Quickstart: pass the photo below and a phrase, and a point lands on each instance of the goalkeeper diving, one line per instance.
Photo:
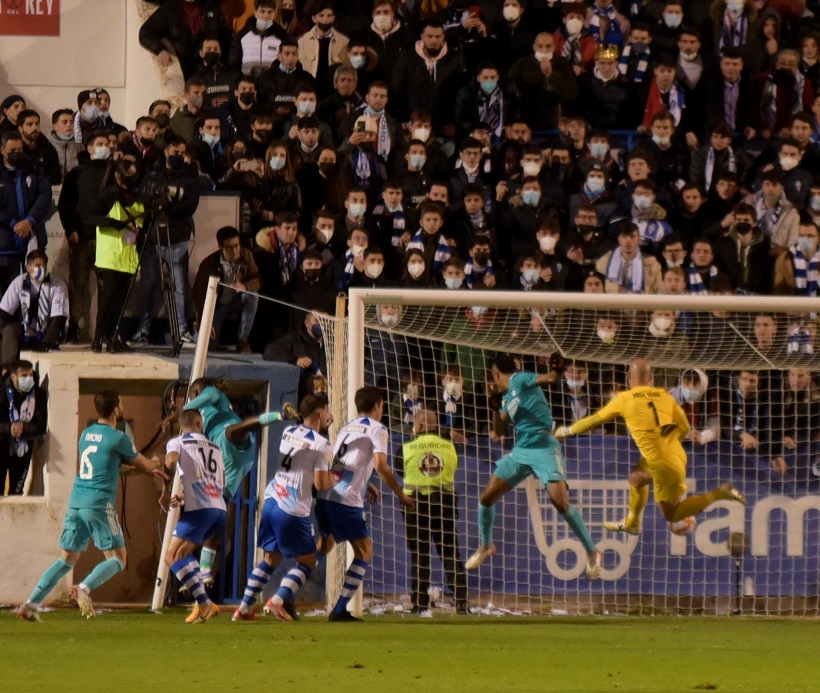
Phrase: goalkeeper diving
(656, 423)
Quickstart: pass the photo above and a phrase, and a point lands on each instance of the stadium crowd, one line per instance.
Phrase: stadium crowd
(648, 146)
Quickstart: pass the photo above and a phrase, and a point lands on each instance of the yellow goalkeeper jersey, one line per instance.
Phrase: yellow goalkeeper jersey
(652, 415)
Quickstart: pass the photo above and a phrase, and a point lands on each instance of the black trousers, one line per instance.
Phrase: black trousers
(110, 299)
(15, 467)
(433, 521)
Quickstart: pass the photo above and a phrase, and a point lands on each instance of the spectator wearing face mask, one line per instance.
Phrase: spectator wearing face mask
(256, 46)
(733, 24)
(219, 78)
(456, 406)
(322, 45)
(667, 32)
(183, 122)
(607, 26)
(347, 268)
(305, 104)
(780, 93)
(24, 420)
(386, 353)
(33, 311)
(62, 139)
(573, 396)
(238, 112)
(310, 289)
(514, 33)
(573, 40)
(700, 405)
(485, 100)
(796, 180)
(277, 86)
(415, 271)
(648, 216)
(141, 145)
(745, 254)
(303, 347)
(410, 397)
(595, 191)
(796, 271)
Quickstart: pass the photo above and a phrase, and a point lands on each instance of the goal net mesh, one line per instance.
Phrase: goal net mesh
(741, 369)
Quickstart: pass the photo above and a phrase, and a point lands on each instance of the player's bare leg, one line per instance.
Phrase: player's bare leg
(494, 491)
(674, 512)
(559, 496)
(639, 480)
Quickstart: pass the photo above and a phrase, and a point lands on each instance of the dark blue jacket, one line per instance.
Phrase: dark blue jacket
(36, 206)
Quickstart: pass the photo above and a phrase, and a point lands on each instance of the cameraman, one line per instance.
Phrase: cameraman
(118, 215)
(172, 193)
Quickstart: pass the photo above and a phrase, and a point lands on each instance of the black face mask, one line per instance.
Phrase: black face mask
(176, 161)
(328, 167)
(145, 142)
(247, 98)
(743, 228)
(287, 15)
(264, 135)
(586, 229)
(211, 58)
(16, 159)
(313, 275)
(324, 27)
(163, 120)
(481, 259)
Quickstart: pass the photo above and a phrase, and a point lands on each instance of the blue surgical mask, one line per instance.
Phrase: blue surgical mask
(417, 160)
(598, 149)
(277, 163)
(595, 185)
(806, 245)
(690, 396)
(530, 276)
(814, 203)
(488, 85)
(25, 383)
(531, 197)
(316, 331)
(306, 107)
(209, 139)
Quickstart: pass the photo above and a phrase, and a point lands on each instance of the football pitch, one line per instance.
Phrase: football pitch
(141, 651)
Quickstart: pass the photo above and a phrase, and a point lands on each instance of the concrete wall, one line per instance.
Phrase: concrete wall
(98, 46)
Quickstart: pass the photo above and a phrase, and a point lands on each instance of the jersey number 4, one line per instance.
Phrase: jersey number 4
(86, 468)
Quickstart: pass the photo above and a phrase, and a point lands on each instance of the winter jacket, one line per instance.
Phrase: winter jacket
(31, 429)
(36, 205)
(542, 96)
(211, 266)
(114, 211)
(251, 52)
(179, 192)
(309, 50)
(67, 151)
(78, 197)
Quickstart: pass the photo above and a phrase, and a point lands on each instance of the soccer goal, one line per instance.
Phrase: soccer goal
(742, 369)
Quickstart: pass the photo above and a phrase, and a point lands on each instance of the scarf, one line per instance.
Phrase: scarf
(398, 219)
(450, 407)
(615, 271)
(592, 196)
(361, 165)
(382, 133)
(491, 110)
(350, 269)
(655, 103)
(431, 63)
(732, 34)
(572, 48)
(767, 219)
(288, 262)
(805, 274)
(612, 34)
(710, 165)
(696, 285)
(35, 309)
(411, 408)
(799, 341)
(768, 102)
(640, 70)
(474, 275)
(19, 446)
(443, 251)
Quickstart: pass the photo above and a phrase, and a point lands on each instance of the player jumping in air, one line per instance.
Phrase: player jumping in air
(199, 464)
(285, 529)
(91, 514)
(360, 445)
(536, 453)
(656, 423)
(237, 440)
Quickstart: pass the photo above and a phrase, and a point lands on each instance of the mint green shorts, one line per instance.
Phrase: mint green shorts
(546, 464)
(100, 524)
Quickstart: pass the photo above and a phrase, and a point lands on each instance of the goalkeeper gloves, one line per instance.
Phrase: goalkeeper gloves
(563, 432)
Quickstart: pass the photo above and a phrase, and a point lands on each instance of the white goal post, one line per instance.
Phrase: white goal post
(715, 339)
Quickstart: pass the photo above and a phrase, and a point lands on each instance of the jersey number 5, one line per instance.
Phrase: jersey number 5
(86, 468)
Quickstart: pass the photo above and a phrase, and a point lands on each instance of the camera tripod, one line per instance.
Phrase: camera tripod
(158, 226)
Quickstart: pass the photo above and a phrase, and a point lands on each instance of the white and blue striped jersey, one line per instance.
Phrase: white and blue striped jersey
(202, 470)
(352, 465)
(302, 452)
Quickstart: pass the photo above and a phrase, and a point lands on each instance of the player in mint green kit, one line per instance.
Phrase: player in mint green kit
(237, 440)
(91, 514)
(536, 452)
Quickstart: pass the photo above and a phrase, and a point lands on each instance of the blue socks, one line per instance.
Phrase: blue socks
(486, 520)
(256, 583)
(294, 580)
(49, 580)
(576, 523)
(353, 578)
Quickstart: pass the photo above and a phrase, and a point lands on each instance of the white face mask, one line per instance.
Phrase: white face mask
(264, 24)
(734, 8)
(673, 20)
(324, 235)
(574, 26)
(575, 384)
(356, 210)
(453, 282)
(100, 153)
(90, 113)
(25, 383)
(306, 107)
(547, 243)
(642, 202)
(357, 61)
(690, 396)
(390, 320)
(511, 13)
(421, 134)
(374, 270)
(478, 311)
(814, 203)
(787, 163)
(383, 22)
(595, 185)
(606, 336)
(661, 140)
(358, 250)
(530, 276)
(541, 56)
(662, 326)
(277, 163)
(531, 168)
(415, 269)
(453, 389)
(689, 56)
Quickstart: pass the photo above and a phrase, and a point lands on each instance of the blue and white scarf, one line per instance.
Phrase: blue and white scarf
(474, 275)
(383, 143)
(676, 103)
(411, 408)
(614, 36)
(491, 110)
(450, 407)
(19, 446)
(443, 250)
(799, 340)
(768, 102)
(35, 309)
(732, 34)
(640, 70)
(710, 165)
(350, 269)
(288, 261)
(615, 272)
(805, 273)
(696, 285)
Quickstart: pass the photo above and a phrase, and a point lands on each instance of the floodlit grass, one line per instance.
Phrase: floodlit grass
(140, 651)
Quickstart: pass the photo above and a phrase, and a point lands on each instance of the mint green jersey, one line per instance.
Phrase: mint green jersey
(527, 407)
(103, 450)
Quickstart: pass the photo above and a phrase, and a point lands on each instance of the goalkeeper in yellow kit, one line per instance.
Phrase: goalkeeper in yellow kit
(656, 423)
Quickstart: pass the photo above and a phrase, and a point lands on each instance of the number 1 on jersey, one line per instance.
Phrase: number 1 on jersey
(654, 413)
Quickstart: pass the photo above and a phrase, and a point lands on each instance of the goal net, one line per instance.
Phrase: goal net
(742, 369)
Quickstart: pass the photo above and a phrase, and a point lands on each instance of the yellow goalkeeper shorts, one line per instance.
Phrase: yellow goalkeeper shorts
(668, 473)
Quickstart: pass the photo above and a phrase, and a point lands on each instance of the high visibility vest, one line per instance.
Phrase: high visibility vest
(430, 464)
(113, 252)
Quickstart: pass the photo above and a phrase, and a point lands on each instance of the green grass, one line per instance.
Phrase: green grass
(140, 651)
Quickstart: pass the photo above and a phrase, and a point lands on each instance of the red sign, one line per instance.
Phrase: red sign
(29, 17)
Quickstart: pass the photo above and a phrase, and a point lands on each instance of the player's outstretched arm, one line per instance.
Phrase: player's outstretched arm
(152, 467)
(547, 378)
(171, 460)
(610, 411)
(387, 476)
(209, 395)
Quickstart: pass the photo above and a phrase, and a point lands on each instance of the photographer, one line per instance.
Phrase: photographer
(172, 197)
(119, 215)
